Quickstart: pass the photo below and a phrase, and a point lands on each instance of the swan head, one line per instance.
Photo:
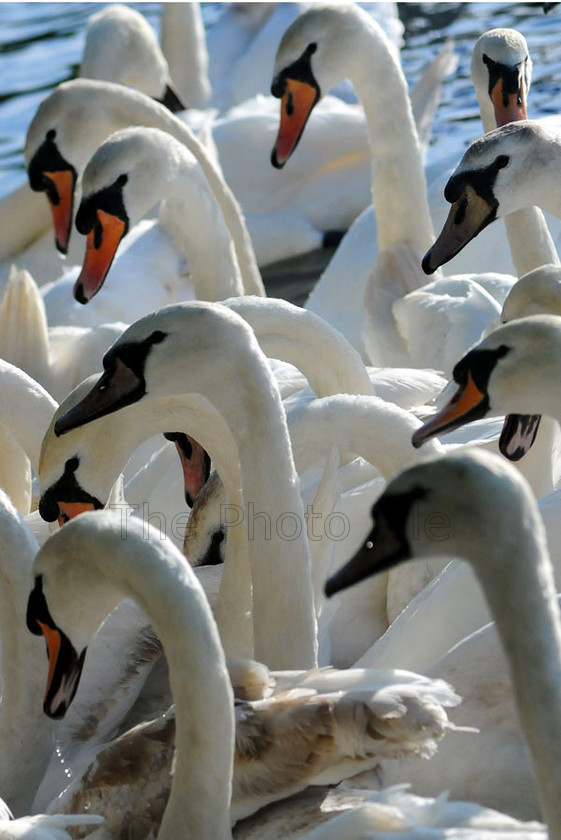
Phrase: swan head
(65, 569)
(67, 128)
(501, 70)
(122, 47)
(313, 56)
(440, 507)
(506, 372)
(144, 359)
(62, 461)
(117, 190)
(495, 177)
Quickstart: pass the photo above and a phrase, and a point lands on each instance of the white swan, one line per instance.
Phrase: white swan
(79, 115)
(324, 45)
(248, 411)
(129, 173)
(27, 738)
(496, 500)
(205, 802)
(400, 706)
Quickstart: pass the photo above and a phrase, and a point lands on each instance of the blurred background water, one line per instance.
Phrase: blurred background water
(41, 45)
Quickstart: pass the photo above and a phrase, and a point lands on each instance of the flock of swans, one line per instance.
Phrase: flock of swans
(207, 494)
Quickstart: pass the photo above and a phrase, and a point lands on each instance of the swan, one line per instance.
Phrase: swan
(122, 47)
(336, 34)
(129, 173)
(339, 42)
(532, 643)
(204, 804)
(501, 55)
(93, 555)
(27, 737)
(77, 117)
(243, 403)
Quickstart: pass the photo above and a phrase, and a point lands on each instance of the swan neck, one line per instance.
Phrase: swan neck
(25, 733)
(524, 604)
(399, 190)
(274, 520)
(194, 220)
(165, 589)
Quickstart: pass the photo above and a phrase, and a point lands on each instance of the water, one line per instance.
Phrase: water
(41, 45)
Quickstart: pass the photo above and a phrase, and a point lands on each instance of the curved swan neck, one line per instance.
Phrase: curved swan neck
(193, 217)
(163, 585)
(396, 153)
(184, 46)
(273, 517)
(301, 338)
(25, 408)
(366, 426)
(524, 604)
(25, 733)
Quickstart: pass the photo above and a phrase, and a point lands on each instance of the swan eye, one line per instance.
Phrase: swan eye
(121, 180)
(102, 387)
(369, 544)
(51, 134)
(502, 161)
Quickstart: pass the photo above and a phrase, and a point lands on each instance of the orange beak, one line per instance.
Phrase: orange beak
(461, 409)
(296, 106)
(62, 212)
(68, 510)
(100, 251)
(52, 638)
(514, 110)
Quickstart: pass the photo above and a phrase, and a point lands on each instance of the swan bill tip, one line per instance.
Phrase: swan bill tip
(426, 264)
